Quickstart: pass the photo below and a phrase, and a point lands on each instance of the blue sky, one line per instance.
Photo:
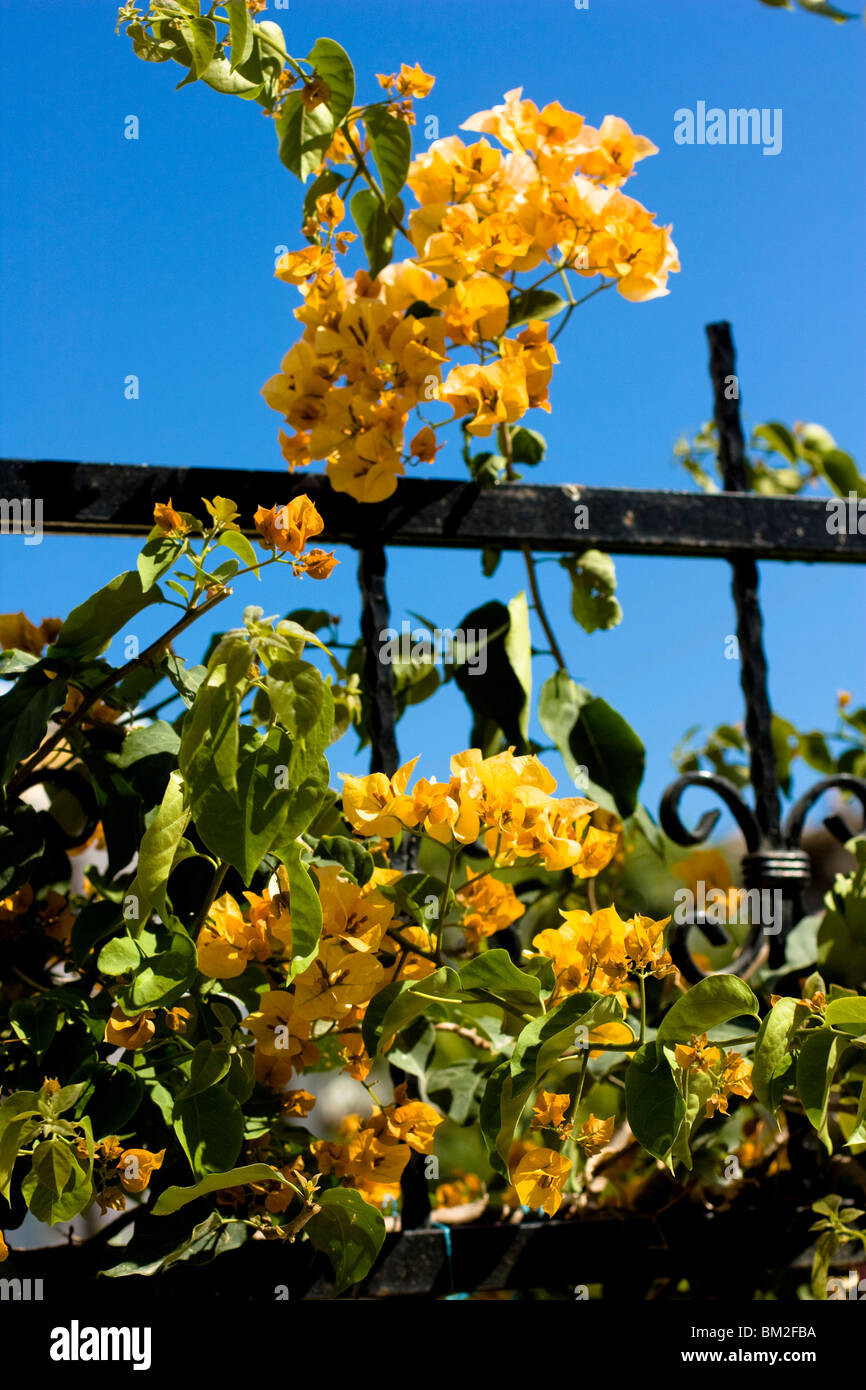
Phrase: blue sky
(155, 257)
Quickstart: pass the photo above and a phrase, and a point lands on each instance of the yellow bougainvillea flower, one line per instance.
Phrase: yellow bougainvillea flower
(289, 528)
(735, 1080)
(4, 1249)
(407, 1121)
(539, 1179)
(408, 82)
(168, 520)
(177, 1020)
(227, 942)
(377, 805)
(135, 1167)
(595, 1135)
(317, 564)
(130, 1033)
(699, 1053)
(356, 916)
(16, 904)
(298, 1103)
(549, 1110)
(645, 947)
(294, 267)
(490, 905)
(460, 1188)
(338, 979)
(281, 1032)
(330, 209)
(17, 631)
(423, 445)
(295, 449)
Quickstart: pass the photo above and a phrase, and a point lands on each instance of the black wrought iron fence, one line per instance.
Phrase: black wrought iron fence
(735, 525)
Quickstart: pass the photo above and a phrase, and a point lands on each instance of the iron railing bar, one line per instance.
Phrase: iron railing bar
(118, 499)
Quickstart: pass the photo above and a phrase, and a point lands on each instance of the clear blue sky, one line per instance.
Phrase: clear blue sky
(155, 258)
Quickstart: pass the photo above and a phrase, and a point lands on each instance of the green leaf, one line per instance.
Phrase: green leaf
(847, 1013)
(332, 63)
(304, 135)
(210, 1128)
(238, 543)
(654, 1106)
(495, 972)
(158, 555)
(161, 979)
(351, 855)
(35, 1022)
(24, 714)
(173, 1198)
(593, 590)
(350, 1232)
(842, 473)
(559, 705)
(51, 1206)
(306, 910)
(710, 1002)
(377, 225)
(200, 36)
(527, 446)
(821, 7)
(538, 1047)
(496, 678)
(398, 1004)
(610, 750)
(159, 844)
(778, 438)
(241, 31)
(533, 304)
(391, 146)
(772, 1050)
(89, 628)
(816, 1067)
(207, 1066)
(118, 956)
(53, 1164)
(19, 1119)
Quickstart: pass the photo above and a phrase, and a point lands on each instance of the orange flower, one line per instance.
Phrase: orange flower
(288, 528)
(318, 564)
(295, 449)
(136, 1166)
(595, 1135)
(539, 1179)
(423, 445)
(168, 520)
(130, 1033)
(17, 631)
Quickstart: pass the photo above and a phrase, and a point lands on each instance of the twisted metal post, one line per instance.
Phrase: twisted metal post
(774, 860)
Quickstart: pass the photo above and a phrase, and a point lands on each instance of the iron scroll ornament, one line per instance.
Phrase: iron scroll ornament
(784, 866)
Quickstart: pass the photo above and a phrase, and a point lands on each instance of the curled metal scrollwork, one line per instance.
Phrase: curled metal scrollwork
(781, 866)
(796, 818)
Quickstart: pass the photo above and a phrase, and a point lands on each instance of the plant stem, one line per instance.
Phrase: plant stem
(114, 678)
(503, 435)
(443, 906)
(539, 608)
(642, 1035)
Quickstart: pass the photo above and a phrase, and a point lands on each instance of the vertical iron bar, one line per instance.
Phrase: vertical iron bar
(753, 662)
(385, 757)
(378, 675)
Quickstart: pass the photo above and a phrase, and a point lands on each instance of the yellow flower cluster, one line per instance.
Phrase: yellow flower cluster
(504, 800)
(599, 950)
(731, 1073)
(373, 350)
(490, 907)
(372, 1154)
(331, 995)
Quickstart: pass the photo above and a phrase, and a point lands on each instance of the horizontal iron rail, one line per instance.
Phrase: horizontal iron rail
(118, 499)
